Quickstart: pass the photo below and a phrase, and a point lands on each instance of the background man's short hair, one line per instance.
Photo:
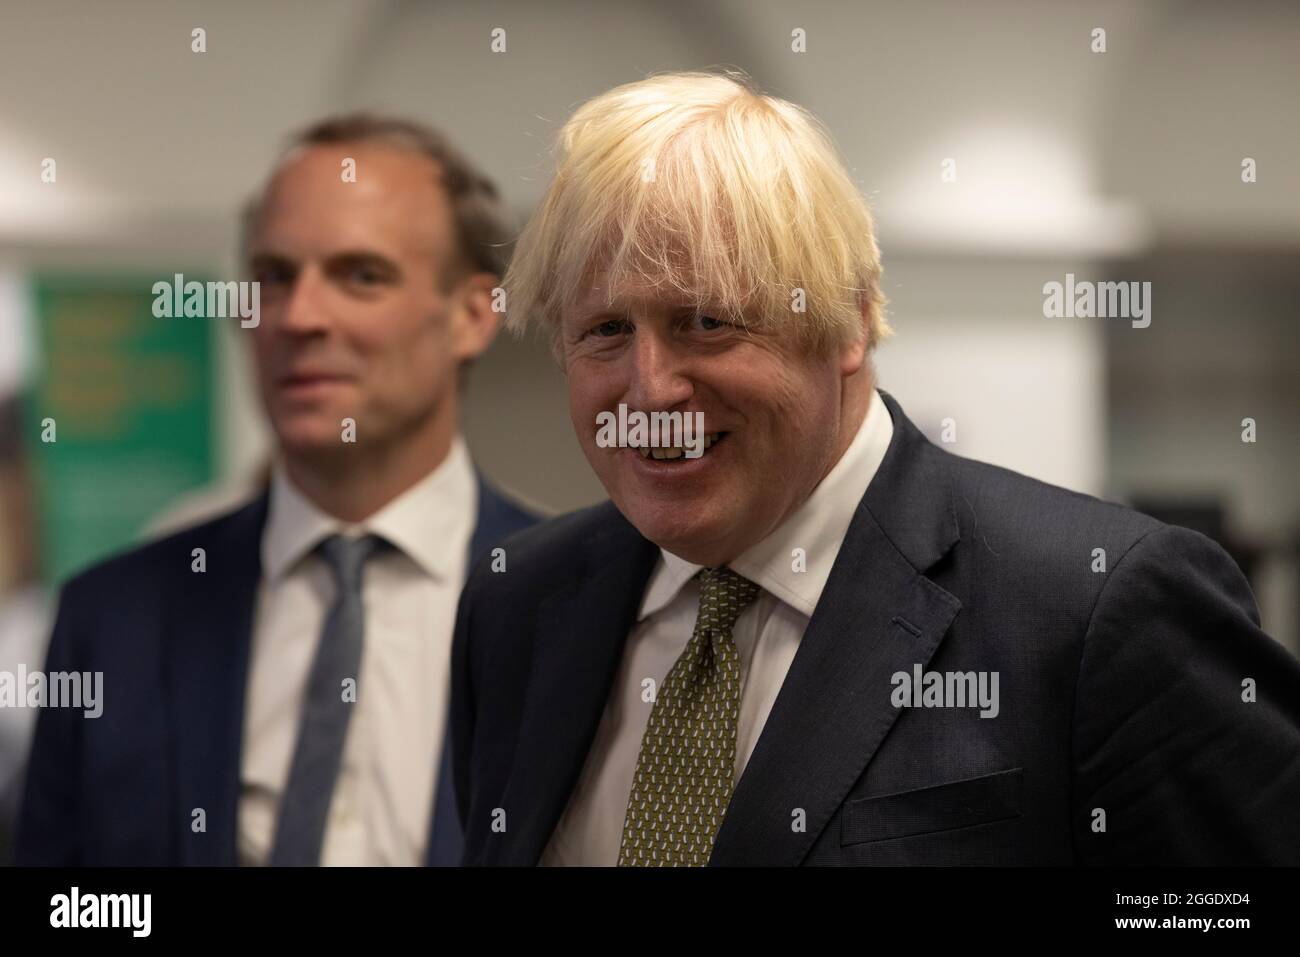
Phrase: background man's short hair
(483, 225)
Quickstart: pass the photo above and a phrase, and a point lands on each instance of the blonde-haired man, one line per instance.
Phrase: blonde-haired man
(811, 636)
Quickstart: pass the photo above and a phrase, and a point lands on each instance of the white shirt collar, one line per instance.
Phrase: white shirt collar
(818, 527)
(419, 522)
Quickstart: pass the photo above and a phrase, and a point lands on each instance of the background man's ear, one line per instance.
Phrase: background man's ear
(476, 323)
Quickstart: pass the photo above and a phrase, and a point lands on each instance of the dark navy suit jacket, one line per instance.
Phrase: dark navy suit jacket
(1126, 733)
(174, 646)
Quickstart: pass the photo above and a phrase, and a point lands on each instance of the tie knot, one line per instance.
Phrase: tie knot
(346, 558)
(723, 596)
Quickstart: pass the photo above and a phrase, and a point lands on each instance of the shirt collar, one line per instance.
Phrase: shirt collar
(419, 522)
(817, 527)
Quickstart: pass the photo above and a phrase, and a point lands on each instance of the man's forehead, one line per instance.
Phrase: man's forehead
(387, 160)
(361, 179)
(309, 194)
(628, 293)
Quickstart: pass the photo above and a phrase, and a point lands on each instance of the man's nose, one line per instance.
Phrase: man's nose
(658, 379)
(304, 309)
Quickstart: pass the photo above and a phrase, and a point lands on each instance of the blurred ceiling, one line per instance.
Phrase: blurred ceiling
(1059, 150)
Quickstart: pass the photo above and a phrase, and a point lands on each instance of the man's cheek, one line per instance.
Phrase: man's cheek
(578, 418)
(584, 406)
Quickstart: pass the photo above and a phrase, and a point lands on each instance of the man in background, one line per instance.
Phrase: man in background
(276, 680)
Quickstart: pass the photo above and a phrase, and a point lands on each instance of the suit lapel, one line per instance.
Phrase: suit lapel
(579, 644)
(878, 615)
(497, 520)
(208, 634)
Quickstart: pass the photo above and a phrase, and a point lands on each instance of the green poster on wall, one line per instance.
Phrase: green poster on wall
(121, 415)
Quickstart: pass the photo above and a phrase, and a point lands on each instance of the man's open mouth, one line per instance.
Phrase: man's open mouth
(678, 453)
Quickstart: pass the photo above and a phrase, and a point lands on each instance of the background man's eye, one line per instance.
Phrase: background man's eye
(271, 275)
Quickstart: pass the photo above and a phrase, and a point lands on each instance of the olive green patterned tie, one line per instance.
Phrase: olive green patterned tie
(684, 773)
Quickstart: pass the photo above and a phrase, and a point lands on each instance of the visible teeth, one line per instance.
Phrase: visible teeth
(676, 452)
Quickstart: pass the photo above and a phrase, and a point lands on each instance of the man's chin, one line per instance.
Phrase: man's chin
(700, 539)
(313, 440)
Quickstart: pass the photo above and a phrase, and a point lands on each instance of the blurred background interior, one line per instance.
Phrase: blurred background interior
(1122, 165)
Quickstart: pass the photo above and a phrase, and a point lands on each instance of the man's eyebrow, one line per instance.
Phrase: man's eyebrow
(268, 256)
(593, 312)
(621, 308)
(362, 257)
(263, 259)
(343, 259)
(589, 308)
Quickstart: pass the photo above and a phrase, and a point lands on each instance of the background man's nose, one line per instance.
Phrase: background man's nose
(303, 311)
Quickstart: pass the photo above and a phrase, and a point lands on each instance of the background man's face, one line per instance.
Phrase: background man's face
(777, 409)
(354, 321)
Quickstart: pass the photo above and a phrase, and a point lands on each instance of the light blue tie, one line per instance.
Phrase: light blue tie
(305, 804)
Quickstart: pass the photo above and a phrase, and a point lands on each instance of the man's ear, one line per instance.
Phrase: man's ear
(853, 354)
(474, 322)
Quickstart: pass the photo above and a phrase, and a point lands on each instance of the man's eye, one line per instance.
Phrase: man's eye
(609, 328)
(272, 275)
(363, 275)
(709, 323)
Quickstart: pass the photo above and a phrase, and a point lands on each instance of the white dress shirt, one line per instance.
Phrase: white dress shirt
(767, 635)
(383, 799)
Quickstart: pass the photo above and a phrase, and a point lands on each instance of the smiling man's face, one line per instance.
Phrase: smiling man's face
(781, 417)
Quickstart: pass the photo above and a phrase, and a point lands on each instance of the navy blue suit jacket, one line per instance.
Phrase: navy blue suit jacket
(1121, 691)
(174, 646)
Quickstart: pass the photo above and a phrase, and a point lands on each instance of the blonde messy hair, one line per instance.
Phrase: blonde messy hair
(697, 185)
